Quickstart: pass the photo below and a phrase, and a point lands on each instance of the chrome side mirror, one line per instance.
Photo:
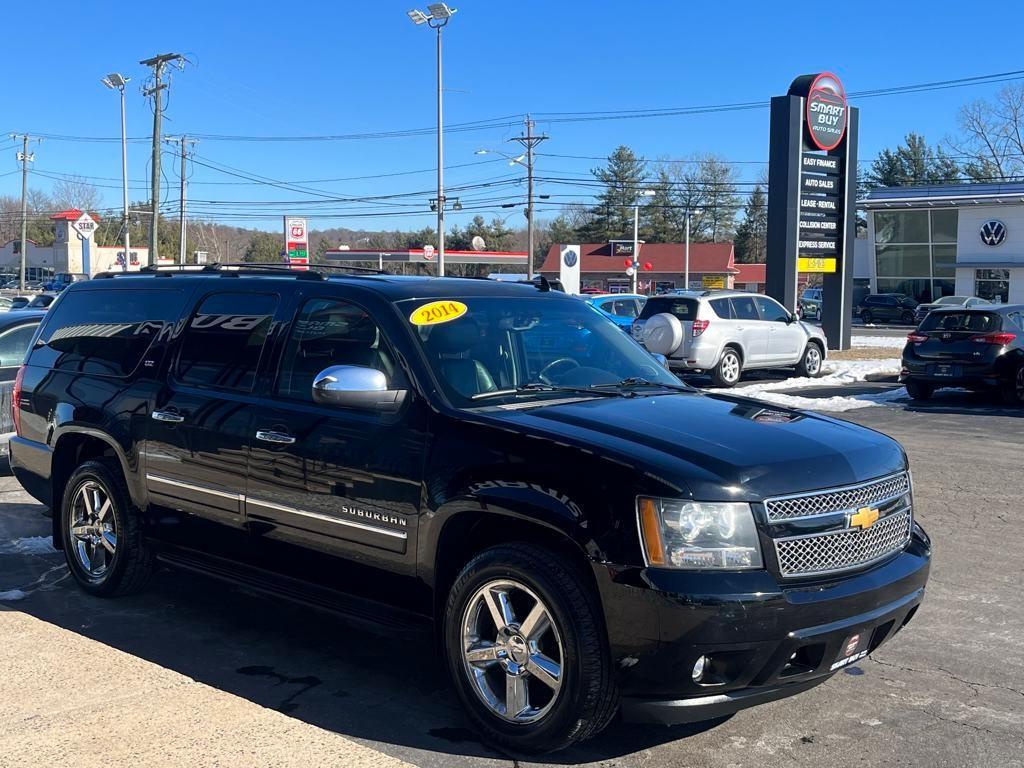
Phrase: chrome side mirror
(355, 386)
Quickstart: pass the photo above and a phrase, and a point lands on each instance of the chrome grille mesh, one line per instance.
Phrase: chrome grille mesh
(841, 550)
(838, 500)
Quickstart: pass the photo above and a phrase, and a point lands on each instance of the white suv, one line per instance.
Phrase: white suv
(728, 332)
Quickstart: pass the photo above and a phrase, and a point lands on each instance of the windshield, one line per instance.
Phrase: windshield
(952, 300)
(481, 346)
(682, 308)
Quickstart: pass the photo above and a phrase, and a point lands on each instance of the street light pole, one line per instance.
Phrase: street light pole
(436, 17)
(117, 82)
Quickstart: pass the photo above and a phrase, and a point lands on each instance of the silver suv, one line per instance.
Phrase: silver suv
(728, 332)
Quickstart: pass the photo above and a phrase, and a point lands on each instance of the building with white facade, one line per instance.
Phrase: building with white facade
(73, 250)
(956, 239)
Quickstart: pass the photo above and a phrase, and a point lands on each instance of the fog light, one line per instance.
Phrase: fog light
(698, 669)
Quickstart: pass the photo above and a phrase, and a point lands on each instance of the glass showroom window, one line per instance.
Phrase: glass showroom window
(915, 252)
(992, 284)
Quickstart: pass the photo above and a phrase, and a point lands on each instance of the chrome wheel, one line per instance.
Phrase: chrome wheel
(812, 360)
(512, 651)
(731, 367)
(93, 529)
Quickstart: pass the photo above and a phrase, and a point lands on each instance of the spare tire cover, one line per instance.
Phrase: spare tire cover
(663, 334)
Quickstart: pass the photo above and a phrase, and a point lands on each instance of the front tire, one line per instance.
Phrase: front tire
(527, 650)
(102, 532)
(866, 317)
(729, 369)
(919, 390)
(810, 364)
(908, 318)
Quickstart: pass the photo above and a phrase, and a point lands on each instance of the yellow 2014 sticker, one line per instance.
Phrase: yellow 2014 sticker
(437, 312)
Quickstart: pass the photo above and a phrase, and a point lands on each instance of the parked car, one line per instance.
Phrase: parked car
(42, 301)
(948, 301)
(887, 308)
(5, 303)
(981, 348)
(16, 331)
(63, 279)
(586, 533)
(728, 332)
(621, 308)
(810, 303)
(19, 302)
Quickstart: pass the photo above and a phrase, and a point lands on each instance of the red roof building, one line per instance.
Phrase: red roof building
(603, 266)
(72, 214)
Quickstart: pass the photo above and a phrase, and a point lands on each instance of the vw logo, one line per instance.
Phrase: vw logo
(570, 258)
(993, 232)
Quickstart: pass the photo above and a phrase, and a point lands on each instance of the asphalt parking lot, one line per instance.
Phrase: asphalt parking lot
(195, 672)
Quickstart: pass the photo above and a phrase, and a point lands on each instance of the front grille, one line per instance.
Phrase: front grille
(837, 499)
(823, 553)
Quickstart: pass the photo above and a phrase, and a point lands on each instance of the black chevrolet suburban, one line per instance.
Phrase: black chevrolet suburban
(585, 534)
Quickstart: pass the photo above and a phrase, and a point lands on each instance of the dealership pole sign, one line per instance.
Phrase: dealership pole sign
(296, 238)
(811, 195)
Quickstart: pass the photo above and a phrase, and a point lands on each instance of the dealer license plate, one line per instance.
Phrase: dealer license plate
(854, 648)
(943, 369)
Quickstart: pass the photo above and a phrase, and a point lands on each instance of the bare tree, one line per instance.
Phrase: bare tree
(992, 137)
(75, 192)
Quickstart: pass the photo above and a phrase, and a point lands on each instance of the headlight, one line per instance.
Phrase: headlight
(698, 535)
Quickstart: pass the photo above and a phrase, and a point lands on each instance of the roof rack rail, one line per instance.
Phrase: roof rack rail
(232, 269)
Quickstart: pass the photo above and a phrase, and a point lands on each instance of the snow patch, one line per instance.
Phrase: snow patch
(837, 373)
(835, 404)
(888, 342)
(30, 545)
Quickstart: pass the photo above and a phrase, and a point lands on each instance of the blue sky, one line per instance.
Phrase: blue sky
(342, 68)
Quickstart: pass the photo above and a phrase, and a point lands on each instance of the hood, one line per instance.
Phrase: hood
(714, 447)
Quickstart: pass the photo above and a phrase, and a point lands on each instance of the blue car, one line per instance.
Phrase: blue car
(621, 308)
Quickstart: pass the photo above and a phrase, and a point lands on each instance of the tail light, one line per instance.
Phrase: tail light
(16, 400)
(699, 326)
(917, 338)
(999, 339)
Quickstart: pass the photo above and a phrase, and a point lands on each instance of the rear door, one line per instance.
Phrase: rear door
(749, 330)
(198, 431)
(343, 481)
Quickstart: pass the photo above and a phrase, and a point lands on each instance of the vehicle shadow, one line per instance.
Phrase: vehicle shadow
(359, 682)
(964, 402)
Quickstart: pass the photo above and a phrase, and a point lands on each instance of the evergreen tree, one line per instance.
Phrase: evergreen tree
(752, 234)
(658, 219)
(612, 216)
(913, 162)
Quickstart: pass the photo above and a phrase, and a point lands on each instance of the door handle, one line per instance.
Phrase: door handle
(269, 436)
(168, 416)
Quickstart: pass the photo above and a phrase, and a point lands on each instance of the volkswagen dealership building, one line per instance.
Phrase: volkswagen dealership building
(962, 239)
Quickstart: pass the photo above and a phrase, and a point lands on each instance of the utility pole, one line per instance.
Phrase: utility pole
(529, 140)
(157, 63)
(25, 158)
(184, 141)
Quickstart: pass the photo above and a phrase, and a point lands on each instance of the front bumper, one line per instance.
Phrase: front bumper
(765, 640)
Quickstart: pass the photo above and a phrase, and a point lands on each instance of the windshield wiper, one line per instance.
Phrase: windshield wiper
(533, 387)
(639, 381)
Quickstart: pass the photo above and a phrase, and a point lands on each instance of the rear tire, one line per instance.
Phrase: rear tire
(1013, 393)
(729, 369)
(102, 532)
(574, 699)
(810, 363)
(919, 390)
(907, 318)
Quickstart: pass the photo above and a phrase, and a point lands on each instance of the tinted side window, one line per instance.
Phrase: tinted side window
(771, 310)
(683, 309)
(623, 308)
(722, 308)
(222, 344)
(327, 333)
(14, 344)
(743, 308)
(105, 332)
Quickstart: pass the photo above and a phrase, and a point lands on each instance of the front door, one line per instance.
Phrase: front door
(343, 481)
(785, 338)
(198, 432)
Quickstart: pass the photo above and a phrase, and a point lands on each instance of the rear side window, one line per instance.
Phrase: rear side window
(104, 332)
(976, 322)
(722, 308)
(224, 339)
(683, 309)
(743, 308)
